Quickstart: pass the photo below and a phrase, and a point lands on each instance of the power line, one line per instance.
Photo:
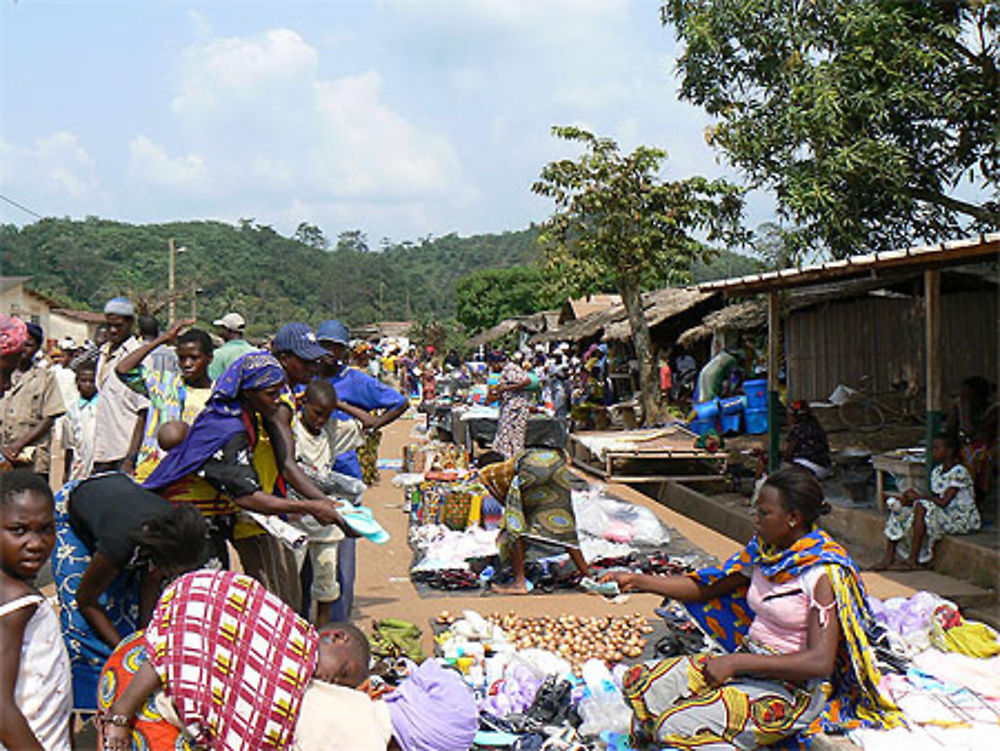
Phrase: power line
(20, 206)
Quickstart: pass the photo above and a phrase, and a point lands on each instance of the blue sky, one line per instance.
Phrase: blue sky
(400, 119)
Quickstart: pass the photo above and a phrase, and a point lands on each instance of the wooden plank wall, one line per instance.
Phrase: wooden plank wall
(841, 341)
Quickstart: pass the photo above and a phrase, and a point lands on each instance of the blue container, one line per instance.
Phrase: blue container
(707, 410)
(701, 426)
(756, 420)
(732, 414)
(756, 392)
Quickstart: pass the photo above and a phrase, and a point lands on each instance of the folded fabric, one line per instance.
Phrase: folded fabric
(361, 520)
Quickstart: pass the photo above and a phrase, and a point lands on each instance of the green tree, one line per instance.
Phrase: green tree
(484, 298)
(311, 235)
(865, 117)
(615, 216)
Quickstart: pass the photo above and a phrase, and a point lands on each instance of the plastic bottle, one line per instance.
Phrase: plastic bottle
(603, 706)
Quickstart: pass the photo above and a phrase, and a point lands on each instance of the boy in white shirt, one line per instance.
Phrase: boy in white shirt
(318, 442)
(80, 423)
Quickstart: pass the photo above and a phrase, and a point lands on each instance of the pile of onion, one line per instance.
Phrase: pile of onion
(576, 638)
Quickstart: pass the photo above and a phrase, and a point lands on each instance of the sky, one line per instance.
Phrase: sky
(399, 118)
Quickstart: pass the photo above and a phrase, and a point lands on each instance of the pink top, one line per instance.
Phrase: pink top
(781, 611)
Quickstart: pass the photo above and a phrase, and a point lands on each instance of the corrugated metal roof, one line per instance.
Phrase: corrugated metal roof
(955, 251)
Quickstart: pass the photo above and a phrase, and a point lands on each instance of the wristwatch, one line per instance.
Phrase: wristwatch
(118, 720)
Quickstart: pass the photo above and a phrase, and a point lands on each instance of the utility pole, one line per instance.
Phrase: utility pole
(170, 282)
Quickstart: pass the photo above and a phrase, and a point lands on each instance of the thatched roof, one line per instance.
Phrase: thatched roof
(658, 306)
(612, 324)
(535, 323)
(585, 306)
(380, 329)
(741, 317)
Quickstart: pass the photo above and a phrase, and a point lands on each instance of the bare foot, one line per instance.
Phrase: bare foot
(514, 588)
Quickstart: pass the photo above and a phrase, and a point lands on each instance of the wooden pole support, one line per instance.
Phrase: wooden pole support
(932, 358)
(773, 365)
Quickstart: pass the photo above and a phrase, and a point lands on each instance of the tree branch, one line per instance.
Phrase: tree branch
(937, 198)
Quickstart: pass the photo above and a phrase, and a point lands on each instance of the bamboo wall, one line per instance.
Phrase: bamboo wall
(841, 341)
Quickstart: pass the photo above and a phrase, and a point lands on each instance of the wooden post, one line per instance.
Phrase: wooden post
(773, 364)
(170, 283)
(932, 359)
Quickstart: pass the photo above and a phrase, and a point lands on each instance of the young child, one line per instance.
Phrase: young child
(318, 441)
(78, 427)
(35, 698)
(949, 509)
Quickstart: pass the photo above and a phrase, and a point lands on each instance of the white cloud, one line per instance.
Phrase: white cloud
(54, 176)
(150, 164)
(274, 130)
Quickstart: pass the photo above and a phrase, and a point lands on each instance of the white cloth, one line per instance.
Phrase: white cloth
(79, 425)
(66, 380)
(118, 406)
(44, 682)
(336, 718)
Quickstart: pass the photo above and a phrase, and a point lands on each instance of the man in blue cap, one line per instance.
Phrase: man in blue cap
(367, 393)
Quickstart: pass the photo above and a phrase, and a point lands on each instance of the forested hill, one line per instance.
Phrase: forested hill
(252, 269)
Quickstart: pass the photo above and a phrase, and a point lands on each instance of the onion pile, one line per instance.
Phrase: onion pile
(576, 638)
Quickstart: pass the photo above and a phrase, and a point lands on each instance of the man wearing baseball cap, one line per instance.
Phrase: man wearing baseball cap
(366, 393)
(230, 329)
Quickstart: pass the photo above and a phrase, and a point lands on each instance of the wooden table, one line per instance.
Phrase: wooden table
(660, 447)
(913, 470)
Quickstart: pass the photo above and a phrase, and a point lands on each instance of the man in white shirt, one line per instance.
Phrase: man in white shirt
(121, 412)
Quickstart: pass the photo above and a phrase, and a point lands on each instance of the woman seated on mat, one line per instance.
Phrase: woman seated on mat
(234, 662)
(792, 609)
(534, 488)
(301, 687)
(918, 520)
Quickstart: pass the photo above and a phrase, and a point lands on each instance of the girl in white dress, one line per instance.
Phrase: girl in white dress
(35, 687)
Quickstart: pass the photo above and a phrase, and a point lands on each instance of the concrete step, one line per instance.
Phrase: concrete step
(971, 585)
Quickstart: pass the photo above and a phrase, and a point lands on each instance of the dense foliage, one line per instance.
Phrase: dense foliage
(487, 297)
(253, 269)
(875, 123)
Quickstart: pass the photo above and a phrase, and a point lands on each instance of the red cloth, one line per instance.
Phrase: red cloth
(234, 658)
(666, 378)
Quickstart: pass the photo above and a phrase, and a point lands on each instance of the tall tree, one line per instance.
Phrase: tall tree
(875, 122)
(615, 217)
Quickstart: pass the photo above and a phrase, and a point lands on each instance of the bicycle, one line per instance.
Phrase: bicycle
(865, 412)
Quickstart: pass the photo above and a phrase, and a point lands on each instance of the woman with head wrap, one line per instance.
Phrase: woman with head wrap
(227, 663)
(31, 400)
(213, 467)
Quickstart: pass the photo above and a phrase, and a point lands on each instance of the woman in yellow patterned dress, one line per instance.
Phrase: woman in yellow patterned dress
(534, 488)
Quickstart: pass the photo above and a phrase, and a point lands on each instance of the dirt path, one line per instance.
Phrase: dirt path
(384, 589)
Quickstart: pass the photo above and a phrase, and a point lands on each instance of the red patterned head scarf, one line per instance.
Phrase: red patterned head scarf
(13, 334)
(234, 658)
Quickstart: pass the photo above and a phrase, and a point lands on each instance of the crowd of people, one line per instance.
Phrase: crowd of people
(175, 452)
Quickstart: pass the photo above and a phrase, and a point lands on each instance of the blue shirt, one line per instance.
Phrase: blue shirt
(361, 390)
